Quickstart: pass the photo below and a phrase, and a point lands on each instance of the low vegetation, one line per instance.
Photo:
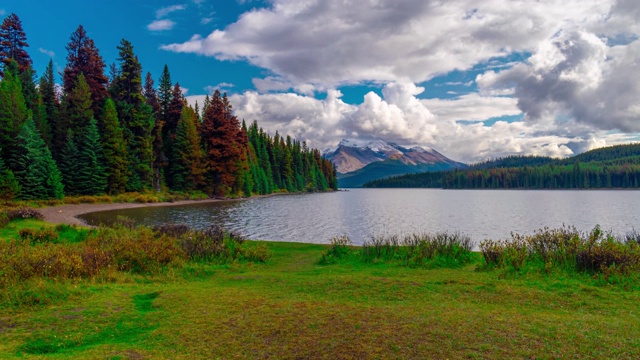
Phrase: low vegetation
(413, 250)
(69, 253)
(595, 253)
(169, 292)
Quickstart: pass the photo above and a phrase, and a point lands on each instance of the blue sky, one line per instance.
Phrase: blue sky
(472, 79)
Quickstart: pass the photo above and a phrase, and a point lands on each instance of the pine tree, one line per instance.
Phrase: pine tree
(91, 179)
(13, 111)
(80, 108)
(136, 118)
(35, 170)
(13, 42)
(189, 158)
(174, 111)
(224, 145)
(151, 96)
(29, 90)
(75, 114)
(69, 164)
(164, 92)
(49, 100)
(84, 58)
(115, 150)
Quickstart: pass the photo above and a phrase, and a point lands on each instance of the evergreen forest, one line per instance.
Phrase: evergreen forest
(609, 167)
(108, 134)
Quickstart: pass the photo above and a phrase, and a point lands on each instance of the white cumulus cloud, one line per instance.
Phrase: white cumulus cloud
(162, 12)
(578, 88)
(161, 25)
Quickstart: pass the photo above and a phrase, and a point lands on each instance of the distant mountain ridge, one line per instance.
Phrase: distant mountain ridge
(358, 162)
(604, 168)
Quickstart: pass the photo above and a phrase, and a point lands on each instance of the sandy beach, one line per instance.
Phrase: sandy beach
(67, 214)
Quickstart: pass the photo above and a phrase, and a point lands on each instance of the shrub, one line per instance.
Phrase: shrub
(258, 253)
(41, 236)
(24, 213)
(565, 248)
(212, 244)
(341, 247)
(431, 250)
(492, 252)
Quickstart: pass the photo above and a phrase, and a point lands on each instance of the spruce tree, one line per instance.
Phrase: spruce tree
(136, 118)
(115, 150)
(69, 164)
(91, 178)
(35, 170)
(49, 100)
(84, 58)
(160, 159)
(189, 165)
(13, 111)
(76, 113)
(13, 42)
(224, 145)
(164, 92)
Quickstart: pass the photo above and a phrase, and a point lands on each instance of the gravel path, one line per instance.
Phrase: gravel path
(67, 214)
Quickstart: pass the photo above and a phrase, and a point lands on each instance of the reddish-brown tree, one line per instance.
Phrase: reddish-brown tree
(83, 58)
(13, 42)
(225, 145)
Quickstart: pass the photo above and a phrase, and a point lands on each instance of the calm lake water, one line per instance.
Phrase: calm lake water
(361, 213)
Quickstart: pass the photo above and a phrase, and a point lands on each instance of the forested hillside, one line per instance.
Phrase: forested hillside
(610, 167)
(98, 134)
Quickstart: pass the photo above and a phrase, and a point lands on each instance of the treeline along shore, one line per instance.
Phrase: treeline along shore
(615, 167)
(110, 134)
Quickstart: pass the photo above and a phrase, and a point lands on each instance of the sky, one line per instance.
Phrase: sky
(472, 79)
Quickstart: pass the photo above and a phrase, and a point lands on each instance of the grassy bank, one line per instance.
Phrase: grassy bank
(353, 307)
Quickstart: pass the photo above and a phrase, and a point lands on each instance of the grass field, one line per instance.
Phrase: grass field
(292, 307)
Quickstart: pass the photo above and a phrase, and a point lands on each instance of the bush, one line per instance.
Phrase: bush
(341, 247)
(41, 236)
(418, 250)
(24, 213)
(565, 248)
(258, 253)
(212, 244)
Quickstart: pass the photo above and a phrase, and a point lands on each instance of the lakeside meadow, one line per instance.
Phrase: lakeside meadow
(129, 292)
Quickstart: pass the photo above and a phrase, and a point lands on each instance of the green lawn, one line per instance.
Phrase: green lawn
(291, 307)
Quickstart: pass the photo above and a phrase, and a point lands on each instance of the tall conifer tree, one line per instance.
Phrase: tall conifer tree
(160, 159)
(13, 42)
(35, 170)
(84, 58)
(224, 145)
(13, 111)
(115, 150)
(136, 118)
(189, 159)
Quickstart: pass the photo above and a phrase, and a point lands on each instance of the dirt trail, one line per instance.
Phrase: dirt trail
(67, 214)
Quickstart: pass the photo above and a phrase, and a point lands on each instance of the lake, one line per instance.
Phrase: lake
(361, 213)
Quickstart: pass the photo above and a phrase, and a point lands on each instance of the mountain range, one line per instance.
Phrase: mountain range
(358, 162)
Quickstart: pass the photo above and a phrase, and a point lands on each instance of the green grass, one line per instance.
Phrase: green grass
(292, 307)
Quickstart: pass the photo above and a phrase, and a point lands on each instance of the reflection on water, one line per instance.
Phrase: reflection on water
(360, 213)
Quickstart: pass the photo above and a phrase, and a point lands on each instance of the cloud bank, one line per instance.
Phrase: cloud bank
(578, 86)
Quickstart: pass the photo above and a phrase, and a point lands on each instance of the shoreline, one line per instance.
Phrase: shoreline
(68, 214)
